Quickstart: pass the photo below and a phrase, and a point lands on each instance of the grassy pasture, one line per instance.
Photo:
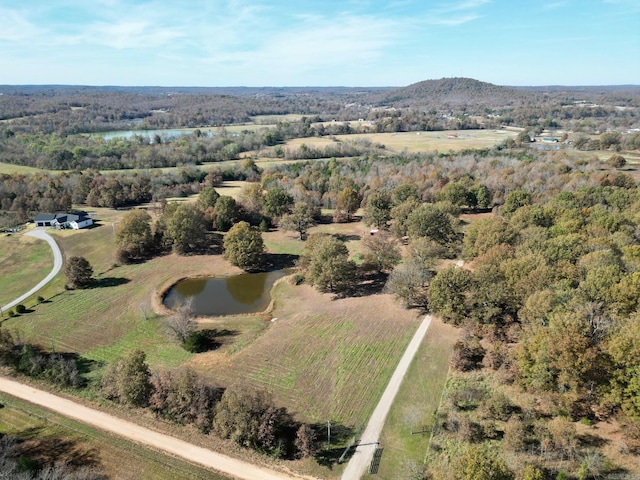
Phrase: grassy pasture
(417, 401)
(10, 169)
(50, 438)
(322, 357)
(231, 188)
(414, 142)
(429, 141)
(271, 120)
(24, 261)
(108, 320)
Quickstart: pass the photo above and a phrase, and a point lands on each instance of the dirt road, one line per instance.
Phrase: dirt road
(57, 265)
(222, 463)
(361, 459)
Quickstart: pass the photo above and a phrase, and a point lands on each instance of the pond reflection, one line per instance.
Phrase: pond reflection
(244, 293)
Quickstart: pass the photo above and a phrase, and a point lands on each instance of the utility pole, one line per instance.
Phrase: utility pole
(329, 432)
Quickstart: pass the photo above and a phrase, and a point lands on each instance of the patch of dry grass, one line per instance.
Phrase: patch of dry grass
(10, 169)
(413, 142)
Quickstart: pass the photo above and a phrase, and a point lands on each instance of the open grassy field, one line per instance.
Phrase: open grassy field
(413, 142)
(24, 261)
(50, 438)
(109, 319)
(415, 405)
(10, 169)
(282, 242)
(323, 357)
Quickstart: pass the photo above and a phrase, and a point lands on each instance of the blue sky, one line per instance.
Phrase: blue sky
(319, 43)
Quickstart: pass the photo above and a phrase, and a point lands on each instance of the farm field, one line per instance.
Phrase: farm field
(414, 142)
(50, 438)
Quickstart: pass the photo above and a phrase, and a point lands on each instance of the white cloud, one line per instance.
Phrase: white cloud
(15, 27)
(456, 14)
(553, 5)
(314, 44)
(131, 34)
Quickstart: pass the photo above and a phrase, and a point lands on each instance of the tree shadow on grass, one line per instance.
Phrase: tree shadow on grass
(341, 436)
(109, 282)
(207, 339)
(346, 238)
(50, 450)
(368, 284)
(278, 261)
(87, 365)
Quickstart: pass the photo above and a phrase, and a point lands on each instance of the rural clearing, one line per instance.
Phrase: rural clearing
(201, 456)
(57, 265)
(368, 442)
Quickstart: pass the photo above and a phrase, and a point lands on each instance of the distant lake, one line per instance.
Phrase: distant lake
(244, 293)
(167, 133)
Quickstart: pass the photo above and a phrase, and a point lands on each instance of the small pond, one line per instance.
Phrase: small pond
(244, 293)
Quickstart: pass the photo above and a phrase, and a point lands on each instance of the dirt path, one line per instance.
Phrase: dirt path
(368, 442)
(201, 456)
(57, 265)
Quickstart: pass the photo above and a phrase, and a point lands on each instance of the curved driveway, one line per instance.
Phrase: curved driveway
(57, 265)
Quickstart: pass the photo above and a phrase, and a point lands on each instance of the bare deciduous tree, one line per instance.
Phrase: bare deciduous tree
(181, 324)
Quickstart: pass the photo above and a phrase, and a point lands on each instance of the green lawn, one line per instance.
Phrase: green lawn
(24, 261)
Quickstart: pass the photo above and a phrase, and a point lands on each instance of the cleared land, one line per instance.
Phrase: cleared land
(10, 169)
(24, 261)
(415, 405)
(323, 358)
(413, 142)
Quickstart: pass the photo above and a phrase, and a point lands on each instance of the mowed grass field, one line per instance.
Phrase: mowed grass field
(322, 357)
(416, 404)
(115, 316)
(414, 142)
(24, 261)
(50, 438)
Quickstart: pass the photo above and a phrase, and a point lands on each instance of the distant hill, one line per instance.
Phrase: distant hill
(453, 91)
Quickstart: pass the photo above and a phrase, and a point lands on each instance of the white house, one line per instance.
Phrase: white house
(63, 220)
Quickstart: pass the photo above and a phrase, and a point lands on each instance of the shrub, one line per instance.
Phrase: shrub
(196, 342)
(467, 355)
(515, 436)
(20, 309)
(497, 407)
(469, 431)
(39, 299)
